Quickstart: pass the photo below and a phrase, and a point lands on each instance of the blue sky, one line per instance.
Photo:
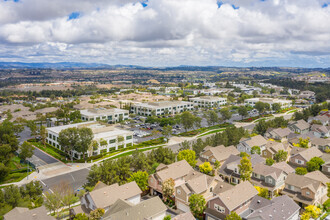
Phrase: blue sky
(167, 32)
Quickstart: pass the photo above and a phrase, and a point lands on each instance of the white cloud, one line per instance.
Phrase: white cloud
(167, 32)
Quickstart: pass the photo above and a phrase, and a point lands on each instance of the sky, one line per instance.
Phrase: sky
(291, 33)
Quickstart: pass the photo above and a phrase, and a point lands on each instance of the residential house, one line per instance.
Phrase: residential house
(318, 175)
(219, 153)
(229, 170)
(320, 131)
(184, 216)
(150, 209)
(280, 134)
(326, 166)
(246, 144)
(104, 196)
(272, 147)
(300, 159)
(282, 207)
(321, 143)
(323, 119)
(284, 166)
(305, 190)
(301, 126)
(194, 183)
(20, 213)
(294, 138)
(237, 199)
(177, 171)
(268, 177)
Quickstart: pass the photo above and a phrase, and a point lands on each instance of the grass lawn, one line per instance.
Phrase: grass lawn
(16, 176)
(15, 164)
(202, 130)
(294, 110)
(211, 132)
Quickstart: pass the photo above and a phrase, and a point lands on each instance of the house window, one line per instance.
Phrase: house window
(235, 170)
(307, 193)
(219, 208)
(178, 191)
(265, 153)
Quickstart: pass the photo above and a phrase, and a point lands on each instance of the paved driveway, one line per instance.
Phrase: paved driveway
(40, 158)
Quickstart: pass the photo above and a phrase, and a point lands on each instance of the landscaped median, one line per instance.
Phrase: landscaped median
(204, 130)
(65, 158)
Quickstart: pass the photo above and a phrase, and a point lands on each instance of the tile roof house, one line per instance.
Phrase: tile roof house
(282, 207)
(184, 216)
(195, 183)
(324, 119)
(229, 170)
(278, 133)
(272, 147)
(301, 158)
(305, 190)
(320, 130)
(150, 209)
(19, 213)
(284, 166)
(271, 178)
(177, 171)
(321, 143)
(318, 175)
(104, 196)
(219, 153)
(326, 166)
(246, 144)
(237, 199)
(300, 126)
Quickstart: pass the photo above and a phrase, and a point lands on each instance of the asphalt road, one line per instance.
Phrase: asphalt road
(44, 157)
(75, 179)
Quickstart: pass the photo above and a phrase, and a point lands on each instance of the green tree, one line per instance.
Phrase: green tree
(96, 214)
(242, 111)
(262, 192)
(205, 167)
(84, 141)
(211, 117)
(12, 195)
(168, 188)
(197, 204)
(187, 120)
(167, 131)
(314, 164)
(141, 179)
(217, 165)
(26, 151)
(311, 211)
(245, 168)
(225, 113)
(261, 127)
(260, 106)
(233, 216)
(189, 156)
(33, 127)
(255, 150)
(281, 155)
(5, 153)
(68, 139)
(139, 161)
(32, 189)
(301, 171)
(276, 107)
(303, 143)
(269, 161)
(198, 146)
(81, 216)
(185, 145)
(4, 171)
(43, 134)
(244, 154)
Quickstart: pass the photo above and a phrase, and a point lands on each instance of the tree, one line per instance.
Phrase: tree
(162, 155)
(139, 161)
(303, 143)
(242, 111)
(269, 161)
(260, 106)
(26, 151)
(81, 216)
(311, 211)
(12, 195)
(84, 141)
(261, 127)
(217, 165)
(189, 156)
(245, 168)
(205, 167)
(244, 154)
(314, 164)
(255, 150)
(33, 127)
(301, 171)
(168, 188)
(96, 214)
(32, 189)
(211, 117)
(233, 216)
(185, 145)
(281, 155)
(197, 204)
(225, 113)
(68, 139)
(167, 131)
(187, 120)
(4, 171)
(276, 107)
(141, 179)
(262, 192)
(66, 193)
(198, 146)
(5, 153)
(43, 134)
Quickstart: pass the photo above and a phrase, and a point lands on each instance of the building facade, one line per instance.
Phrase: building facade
(208, 101)
(283, 103)
(161, 108)
(112, 115)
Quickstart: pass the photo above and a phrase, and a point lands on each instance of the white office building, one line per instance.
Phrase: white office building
(112, 115)
(208, 101)
(109, 138)
(161, 108)
(284, 103)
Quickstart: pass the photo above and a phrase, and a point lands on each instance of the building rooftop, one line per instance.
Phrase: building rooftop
(101, 111)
